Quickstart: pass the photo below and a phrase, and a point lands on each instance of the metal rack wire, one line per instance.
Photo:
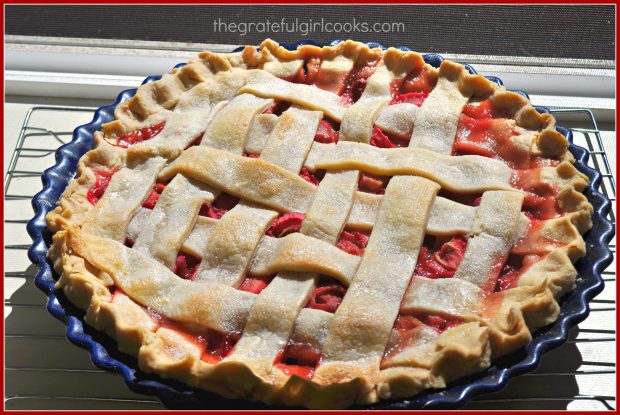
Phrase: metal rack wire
(34, 152)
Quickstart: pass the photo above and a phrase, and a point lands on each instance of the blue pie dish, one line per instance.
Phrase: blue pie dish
(174, 395)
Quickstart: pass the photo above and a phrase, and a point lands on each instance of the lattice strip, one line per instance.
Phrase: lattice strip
(438, 117)
(125, 194)
(231, 125)
(273, 186)
(398, 119)
(150, 283)
(497, 226)
(232, 243)
(450, 296)
(171, 220)
(359, 118)
(304, 254)
(359, 331)
(291, 138)
(332, 76)
(263, 339)
(266, 85)
(183, 126)
(447, 216)
(261, 128)
(458, 174)
(331, 206)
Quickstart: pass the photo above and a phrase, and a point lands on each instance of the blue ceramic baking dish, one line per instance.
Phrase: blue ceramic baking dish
(574, 308)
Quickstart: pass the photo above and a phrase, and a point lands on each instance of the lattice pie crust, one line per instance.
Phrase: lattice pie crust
(214, 110)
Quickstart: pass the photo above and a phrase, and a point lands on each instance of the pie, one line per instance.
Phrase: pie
(321, 227)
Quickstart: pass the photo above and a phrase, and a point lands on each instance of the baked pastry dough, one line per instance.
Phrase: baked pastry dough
(321, 227)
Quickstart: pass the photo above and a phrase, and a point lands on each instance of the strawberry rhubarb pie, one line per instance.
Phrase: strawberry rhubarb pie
(321, 227)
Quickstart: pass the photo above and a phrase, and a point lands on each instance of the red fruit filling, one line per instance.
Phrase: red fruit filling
(492, 138)
(310, 177)
(222, 204)
(534, 241)
(421, 81)
(327, 132)
(219, 345)
(416, 98)
(285, 224)
(186, 266)
(540, 198)
(515, 266)
(439, 323)
(137, 136)
(197, 140)
(483, 131)
(378, 139)
(371, 183)
(199, 340)
(308, 72)
(353, 242)
(356, 83)
(151, 201)
(298, 359)
(441, 262)
(278, 108)
(327, 295)
(255, 285)
(406, 337)
(102, 180)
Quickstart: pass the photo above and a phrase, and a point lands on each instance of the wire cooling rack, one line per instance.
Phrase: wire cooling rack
(40, 374)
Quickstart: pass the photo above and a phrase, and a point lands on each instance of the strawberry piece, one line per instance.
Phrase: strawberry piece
(483, 110)
(298, 359)
(137, 136)
(468, 148)
(371, 183)
(406, 323)
(255, 284)
(358, 78)
(102, 181)
(416, 98)
(150, 202)
(421, 81)
(219, 345)
(353, 242)
(309, 177)
(451, 253)
(288, 223)
(327, 297)
(378, 139)
(309, 71)
(541, 207)
(302, 353)
(442, 263)
(326, 133)
(222, 204)
(186, 266)
(439, 323)
(278, 108)
(197, 140)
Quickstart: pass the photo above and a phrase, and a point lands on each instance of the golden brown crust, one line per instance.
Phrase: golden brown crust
(504, 326)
